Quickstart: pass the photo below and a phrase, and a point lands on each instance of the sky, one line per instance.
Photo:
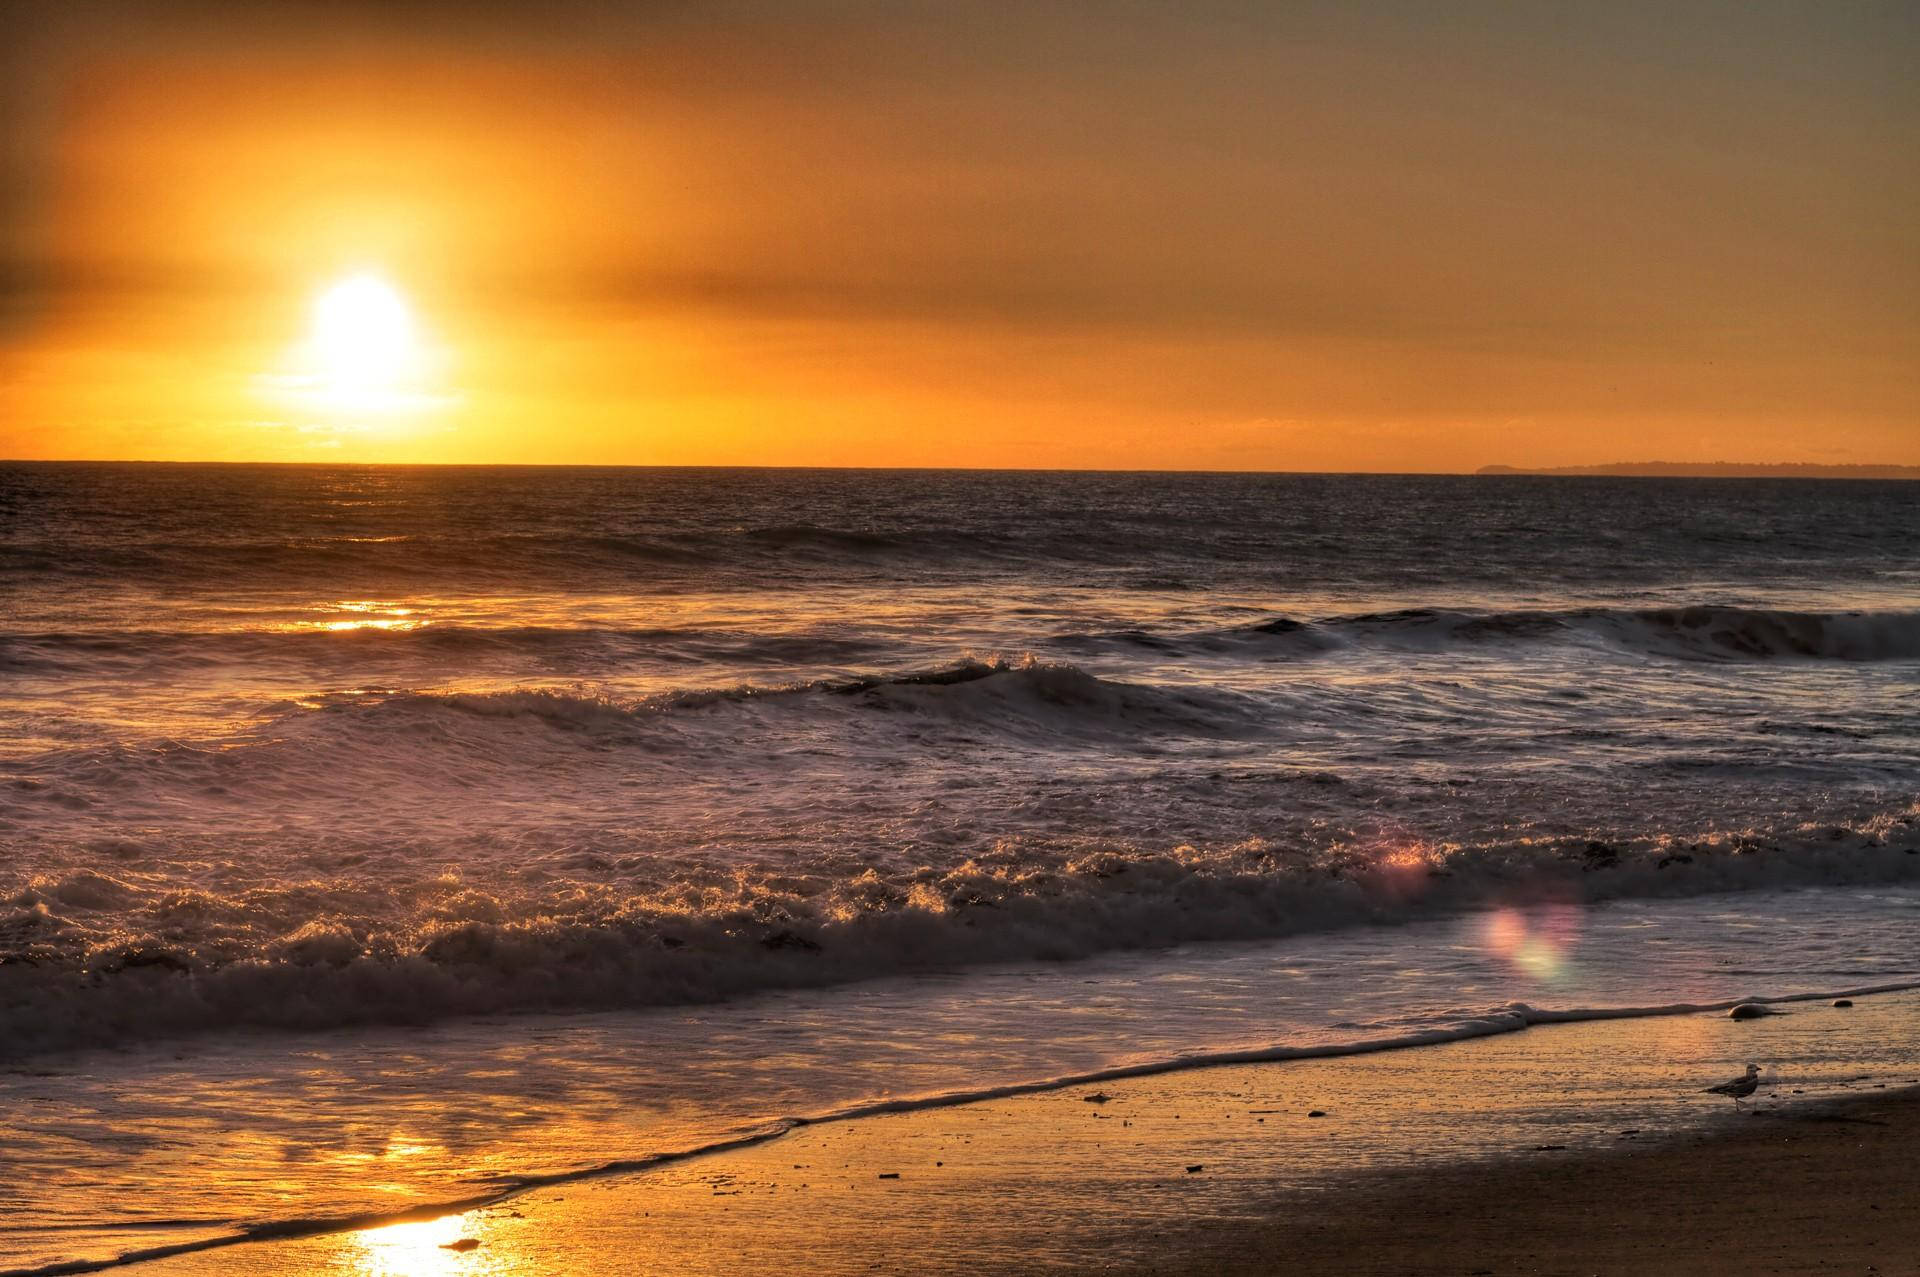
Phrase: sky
(1390, 236)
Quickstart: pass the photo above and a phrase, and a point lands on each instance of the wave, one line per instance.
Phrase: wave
(1735, 634)
(1020, 698)
(1512, 1018)
(87, 958)
(1698, 632)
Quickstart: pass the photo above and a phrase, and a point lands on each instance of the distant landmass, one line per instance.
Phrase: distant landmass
(1718, 470)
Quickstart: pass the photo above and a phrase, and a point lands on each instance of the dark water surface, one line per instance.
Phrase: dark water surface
(306, 746)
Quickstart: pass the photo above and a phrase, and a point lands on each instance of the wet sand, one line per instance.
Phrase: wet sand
(1569, 1149)
(1835, 1189)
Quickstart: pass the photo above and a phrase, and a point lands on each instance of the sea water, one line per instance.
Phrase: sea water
(369, 836)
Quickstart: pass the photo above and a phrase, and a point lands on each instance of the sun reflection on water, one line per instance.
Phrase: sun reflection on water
(370, 623)
(1402, 867)
(366, 614)
(420, 1248)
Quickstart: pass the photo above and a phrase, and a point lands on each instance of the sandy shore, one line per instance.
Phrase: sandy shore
(1569, 1149)
(1834, 1189)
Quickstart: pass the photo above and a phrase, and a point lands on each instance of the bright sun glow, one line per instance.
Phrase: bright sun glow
(363, 336)
(363, 366)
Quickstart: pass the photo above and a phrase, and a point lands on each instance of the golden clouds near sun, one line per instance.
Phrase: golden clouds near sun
(364, 363)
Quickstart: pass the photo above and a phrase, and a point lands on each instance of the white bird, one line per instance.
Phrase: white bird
(1741, 1087)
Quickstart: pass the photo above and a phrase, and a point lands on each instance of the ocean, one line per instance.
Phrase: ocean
(377, 836)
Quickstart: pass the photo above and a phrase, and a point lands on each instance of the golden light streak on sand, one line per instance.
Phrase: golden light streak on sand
(1051, 1182)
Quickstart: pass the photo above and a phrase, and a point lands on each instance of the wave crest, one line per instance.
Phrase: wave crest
(1024, 697)
(1701, 632)
(318, 955)
(1733, 633)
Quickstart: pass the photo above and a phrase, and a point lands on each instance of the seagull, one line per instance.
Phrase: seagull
(1741, 1087)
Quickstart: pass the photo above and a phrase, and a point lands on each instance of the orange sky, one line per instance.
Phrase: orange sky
(1259, 236)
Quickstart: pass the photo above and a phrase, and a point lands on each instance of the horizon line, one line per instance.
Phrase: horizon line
(1599, 470)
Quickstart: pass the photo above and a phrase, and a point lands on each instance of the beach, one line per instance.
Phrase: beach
(1829, 1189)
(1567, 1149)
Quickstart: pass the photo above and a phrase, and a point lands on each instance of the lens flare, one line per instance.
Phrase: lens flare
(1537, 939)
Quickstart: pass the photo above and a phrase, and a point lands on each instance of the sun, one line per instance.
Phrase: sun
(364, 365)
(363, 338)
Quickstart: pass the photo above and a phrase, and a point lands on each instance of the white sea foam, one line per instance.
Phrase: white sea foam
(103, 959)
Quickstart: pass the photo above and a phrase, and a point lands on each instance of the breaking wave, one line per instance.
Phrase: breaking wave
(88, 957)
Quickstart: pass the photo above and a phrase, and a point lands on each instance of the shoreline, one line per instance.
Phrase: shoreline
(1221, 1169)
(508, 1189)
